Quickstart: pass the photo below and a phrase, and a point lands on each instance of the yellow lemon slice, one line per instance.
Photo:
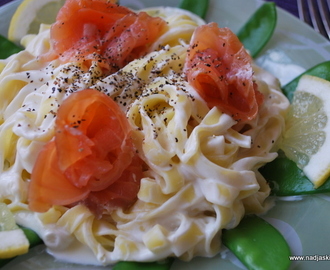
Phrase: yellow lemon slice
(307, 137)
(30, 14)
(13, 241)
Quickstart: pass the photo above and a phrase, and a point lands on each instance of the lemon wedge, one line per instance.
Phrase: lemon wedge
(306, 139)
(13, 240)
(30, 14)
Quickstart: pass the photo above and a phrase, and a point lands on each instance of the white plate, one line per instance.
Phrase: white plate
(294, 47)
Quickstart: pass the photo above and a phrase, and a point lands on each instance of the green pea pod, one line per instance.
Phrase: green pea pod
(199, 7)
(7, 48)
(257, 244)
(164, 265)
(33, 238)
(286, 179)
(3, 262)
(321, 70)
(259, 28)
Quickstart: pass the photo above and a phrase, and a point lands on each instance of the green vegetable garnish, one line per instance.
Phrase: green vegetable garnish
(286, 179)
(258, 30)
(321, 70)
(3, 262)
(7, 48)
(257, 244)
(164, 265)
(33, 238)
(199, 7)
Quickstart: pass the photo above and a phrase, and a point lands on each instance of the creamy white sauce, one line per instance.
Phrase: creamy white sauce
(279, 64)
(75, 253)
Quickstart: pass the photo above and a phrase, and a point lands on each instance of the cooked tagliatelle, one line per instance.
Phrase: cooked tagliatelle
(201, 165)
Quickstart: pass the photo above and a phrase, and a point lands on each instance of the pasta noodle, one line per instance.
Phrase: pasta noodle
(202, 166)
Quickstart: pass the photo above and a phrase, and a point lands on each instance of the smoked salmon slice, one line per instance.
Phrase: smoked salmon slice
(220, 69)
(122, 193)
(99, 30)
(91, 150)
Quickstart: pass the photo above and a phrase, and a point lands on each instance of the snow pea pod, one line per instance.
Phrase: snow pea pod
(199, 7)
(3, 262)
(7, 48)
(164, 265)
(32, 236)
(286, 179)
(257, 31)
(321, 70)
(257, 244)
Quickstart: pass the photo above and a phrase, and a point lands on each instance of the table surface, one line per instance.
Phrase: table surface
(289, 5)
